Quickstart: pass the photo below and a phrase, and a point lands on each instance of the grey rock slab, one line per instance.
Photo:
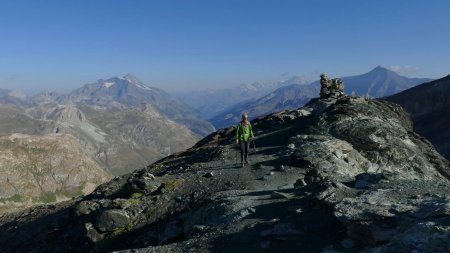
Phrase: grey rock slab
(112, 219)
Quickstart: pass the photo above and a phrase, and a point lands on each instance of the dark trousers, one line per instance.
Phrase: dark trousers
(245, 146)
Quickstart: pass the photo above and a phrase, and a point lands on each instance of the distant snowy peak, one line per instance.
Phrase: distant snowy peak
(126, 80)
(118, 93)
(295, 80)
(132, 79)
(142, 86)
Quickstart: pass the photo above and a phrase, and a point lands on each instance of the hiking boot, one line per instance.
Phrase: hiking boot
(246, 162)
(242, 165)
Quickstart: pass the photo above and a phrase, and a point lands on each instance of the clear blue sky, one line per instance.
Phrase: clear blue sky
(60, 45)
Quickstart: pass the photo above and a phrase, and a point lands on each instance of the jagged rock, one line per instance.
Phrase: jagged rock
(299, 183)
(86, 207)
(208, 175)
(92, 233)
(146, 185)
(148, 176)
(112, 219)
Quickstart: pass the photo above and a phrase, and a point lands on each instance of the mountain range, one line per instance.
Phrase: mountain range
(120, 124)
(378, 82)
(210, 102)
(123, 123)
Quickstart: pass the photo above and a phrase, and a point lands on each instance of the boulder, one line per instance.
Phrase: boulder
(112, 219)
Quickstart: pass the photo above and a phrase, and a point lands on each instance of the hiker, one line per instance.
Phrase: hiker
(243, 135)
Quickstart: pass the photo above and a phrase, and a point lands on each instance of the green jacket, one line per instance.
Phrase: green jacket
(244, 132)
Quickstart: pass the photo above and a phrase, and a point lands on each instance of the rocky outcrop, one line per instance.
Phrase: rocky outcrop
(341, 174)
(43, 169)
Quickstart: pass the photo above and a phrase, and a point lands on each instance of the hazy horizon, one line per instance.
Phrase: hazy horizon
(178, 45)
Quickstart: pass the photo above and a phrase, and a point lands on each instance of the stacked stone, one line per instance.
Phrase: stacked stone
(331, 87)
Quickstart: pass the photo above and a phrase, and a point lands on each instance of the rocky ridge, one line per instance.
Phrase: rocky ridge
(338, 175)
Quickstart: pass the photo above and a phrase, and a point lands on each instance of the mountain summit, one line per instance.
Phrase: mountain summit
(379, 82)
(344, 174)
(117, 91)
(126, 92)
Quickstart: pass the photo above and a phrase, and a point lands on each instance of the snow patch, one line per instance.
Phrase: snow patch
(142, 86)
(108, 84)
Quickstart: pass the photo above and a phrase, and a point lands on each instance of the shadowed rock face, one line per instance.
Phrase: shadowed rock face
(429, 107)
(345, 174)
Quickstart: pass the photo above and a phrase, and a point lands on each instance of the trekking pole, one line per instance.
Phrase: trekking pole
(235, 158)
(254, 146)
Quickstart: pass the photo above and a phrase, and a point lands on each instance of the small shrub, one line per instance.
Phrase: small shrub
(172, 184)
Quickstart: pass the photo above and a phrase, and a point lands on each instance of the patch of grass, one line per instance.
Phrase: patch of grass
(135, 198)
(74, 193)
(15, 198)
(47, 197)
(172, 184)
(136, 195)
(37, 150)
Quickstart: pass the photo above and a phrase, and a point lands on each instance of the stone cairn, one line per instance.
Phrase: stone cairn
(330, 87)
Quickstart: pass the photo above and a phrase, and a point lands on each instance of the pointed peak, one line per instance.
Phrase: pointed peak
(382, 70)
(131, 78)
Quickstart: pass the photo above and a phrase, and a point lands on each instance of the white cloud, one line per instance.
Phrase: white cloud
(405, 69)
